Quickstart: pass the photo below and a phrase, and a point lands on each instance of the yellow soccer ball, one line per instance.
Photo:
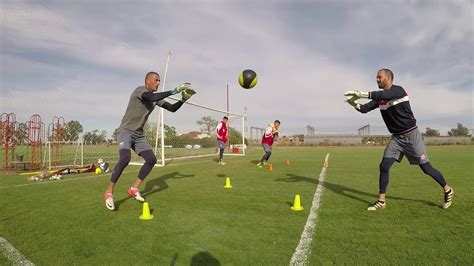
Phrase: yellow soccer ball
(248, 79)
(98, 171)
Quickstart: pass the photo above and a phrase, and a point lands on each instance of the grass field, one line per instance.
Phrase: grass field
(198, 222)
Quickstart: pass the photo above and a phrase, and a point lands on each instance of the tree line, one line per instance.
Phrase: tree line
(73, 129)
(459, 131)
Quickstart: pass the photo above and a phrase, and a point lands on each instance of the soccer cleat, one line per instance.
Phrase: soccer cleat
(222, 163)
(377, 205)
(109, 201)
(135, 193)
(264, 162)
(448, 198)
(259, 164)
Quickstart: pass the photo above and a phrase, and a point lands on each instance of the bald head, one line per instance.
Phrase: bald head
(387, 72)
(384, 78)
(152, 81)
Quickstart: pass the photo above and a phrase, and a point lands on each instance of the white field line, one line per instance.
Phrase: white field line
(12, 253)
(303, 250)
(82, 177)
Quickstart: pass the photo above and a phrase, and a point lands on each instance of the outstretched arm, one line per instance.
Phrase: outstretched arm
(365, 108)
(157, 96)
(186, 94)
(170, 107)
(396, 92)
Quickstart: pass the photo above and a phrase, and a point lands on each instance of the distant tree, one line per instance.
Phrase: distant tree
(88, 138)
(299, 136)
(115, 134)
(22, 134)
(149, 131)
(94, 137)
(103, 136)
(73, 129)
(430, 132)
(459, 131)
(170, 132)
(235, 136)
(208, 124)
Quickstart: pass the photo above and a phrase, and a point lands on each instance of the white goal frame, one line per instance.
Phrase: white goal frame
(159, 148)
(67, 161)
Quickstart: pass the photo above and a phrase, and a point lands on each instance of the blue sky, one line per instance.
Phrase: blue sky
(82, 59)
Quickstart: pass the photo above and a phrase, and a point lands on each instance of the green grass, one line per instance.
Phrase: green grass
(198, 222)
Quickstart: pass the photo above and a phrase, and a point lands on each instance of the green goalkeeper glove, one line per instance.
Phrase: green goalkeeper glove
(358, 94)
(180, 88)
(352, 100)
(186, 94)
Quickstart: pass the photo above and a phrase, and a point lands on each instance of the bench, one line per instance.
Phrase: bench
(16, 164)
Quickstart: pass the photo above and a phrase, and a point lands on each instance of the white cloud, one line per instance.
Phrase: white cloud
(87, 63)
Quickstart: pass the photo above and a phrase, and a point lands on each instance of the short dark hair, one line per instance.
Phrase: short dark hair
(225, 117)
(151, 73)
(277, 121)
(388, 72)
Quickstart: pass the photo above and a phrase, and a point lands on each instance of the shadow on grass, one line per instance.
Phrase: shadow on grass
(347, 191)
(204, 258)
(221, 175)
(159, 182)
(174, 260)
(254, 161)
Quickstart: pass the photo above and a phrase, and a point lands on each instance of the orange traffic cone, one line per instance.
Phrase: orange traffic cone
(270, 167)
(287, 162)
(326, 164)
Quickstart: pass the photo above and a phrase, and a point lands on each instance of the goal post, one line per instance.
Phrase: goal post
(59, 154)
(185, 134)
(190, 133)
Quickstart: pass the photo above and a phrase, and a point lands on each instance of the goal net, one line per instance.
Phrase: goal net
(190, 133)
(185, 134)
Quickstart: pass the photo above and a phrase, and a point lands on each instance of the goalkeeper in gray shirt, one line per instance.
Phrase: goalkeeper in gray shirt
(142, 102)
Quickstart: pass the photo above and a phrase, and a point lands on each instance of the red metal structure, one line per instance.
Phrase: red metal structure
(56, 137)
(8, 135)
(35, 139)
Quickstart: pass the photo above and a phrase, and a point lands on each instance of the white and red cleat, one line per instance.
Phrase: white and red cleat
(109, 201)
(135, 193)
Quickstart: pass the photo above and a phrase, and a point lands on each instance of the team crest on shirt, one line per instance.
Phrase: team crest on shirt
(423, 157)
